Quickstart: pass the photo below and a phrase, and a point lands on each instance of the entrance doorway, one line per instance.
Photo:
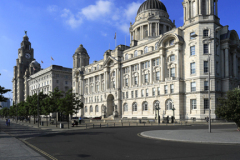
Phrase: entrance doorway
(110, 104)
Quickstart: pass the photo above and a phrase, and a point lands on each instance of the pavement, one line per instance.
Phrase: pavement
(217, 136)
(11, 148)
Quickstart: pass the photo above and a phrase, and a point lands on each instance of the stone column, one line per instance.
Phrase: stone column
(210, 7)
(222, 63)
(130, 77)
(116, 78)
(148, 29)
(164, 28)
(157, 29)
(151, 72)
(235, 64)
(151, 33)
(188, 11)
(133, 35)
(200, 7)
(162, 66)
(140, 74)
(197, 7)
(216, 7)
(226, 63)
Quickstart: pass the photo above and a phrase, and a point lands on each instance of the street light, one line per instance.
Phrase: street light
(157, 108)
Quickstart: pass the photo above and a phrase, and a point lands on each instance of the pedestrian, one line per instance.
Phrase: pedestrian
(80, 119)
(8, 122)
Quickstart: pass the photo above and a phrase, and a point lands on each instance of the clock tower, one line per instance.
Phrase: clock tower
(25, 57)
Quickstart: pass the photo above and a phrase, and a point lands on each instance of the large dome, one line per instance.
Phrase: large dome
(152, 4)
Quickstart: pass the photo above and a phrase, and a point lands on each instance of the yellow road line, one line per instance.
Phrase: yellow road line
(39, 150)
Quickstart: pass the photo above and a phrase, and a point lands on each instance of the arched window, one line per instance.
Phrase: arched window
(85, 108)
(135, 53)
(169, 104)
(156, 46)
(126, 57)
(156, 104)
(134, 106)
(98, 66)
(91, 109)
(145, 106)
(171, 42)
(96, 109)
(145, 50)
(125, 107)
(92, 69)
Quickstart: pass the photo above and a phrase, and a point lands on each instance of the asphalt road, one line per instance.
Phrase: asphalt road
(124, 143)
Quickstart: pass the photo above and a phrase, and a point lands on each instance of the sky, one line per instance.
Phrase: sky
(57, 28)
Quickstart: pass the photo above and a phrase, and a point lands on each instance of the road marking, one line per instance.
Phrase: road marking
(39, 150)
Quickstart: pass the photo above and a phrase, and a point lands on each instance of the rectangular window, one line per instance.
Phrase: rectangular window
(153, 91)
(146, 92)
(57, 81)
(172, 88)
(193, 103)
(205, 66)
(206, 86)
(165, 89)
(123, 95)
(146, 78)
(193, 69)
(205, 33)
(126, 82)
(126, 94)
(205, 48)
(66, 82)
(192, 35)
(157, 76)
(158, 90)
(192, 50)
(206, 104)
(57, 75)
(142, 93)
(135, 80)
(172, 58)
(172, 70)
(132, 94)
(136, 94)
(193, 86)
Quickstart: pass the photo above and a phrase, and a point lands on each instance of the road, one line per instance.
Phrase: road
(124, 143)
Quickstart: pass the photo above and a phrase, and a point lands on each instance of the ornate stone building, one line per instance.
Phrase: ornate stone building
(26, 65)
(164, 66)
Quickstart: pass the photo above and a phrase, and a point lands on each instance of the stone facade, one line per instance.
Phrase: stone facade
(48, 79)
(164, 66)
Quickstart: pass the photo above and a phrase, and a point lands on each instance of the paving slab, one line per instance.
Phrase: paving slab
(218, 136)
(12, 148)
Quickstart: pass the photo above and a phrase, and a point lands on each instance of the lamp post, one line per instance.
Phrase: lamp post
(157, 108)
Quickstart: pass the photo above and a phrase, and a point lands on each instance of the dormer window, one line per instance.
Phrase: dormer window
(145, 50)
(171, 42)
(192, 35)
(126, 57)
(156, 46)
(135, 53)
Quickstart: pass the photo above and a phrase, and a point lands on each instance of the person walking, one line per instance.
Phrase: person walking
(8, 122)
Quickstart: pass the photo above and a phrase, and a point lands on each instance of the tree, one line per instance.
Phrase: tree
(229, 107)
(54, 97)
(5, 112)
(3, 91)
(70, 104)
(32, 102)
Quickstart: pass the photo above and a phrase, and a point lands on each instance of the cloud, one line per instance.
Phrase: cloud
(131, 11)
(104, 34)
(70, 19)
(52, 8)
(101, 8)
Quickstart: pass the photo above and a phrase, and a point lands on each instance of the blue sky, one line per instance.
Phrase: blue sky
(56, 28)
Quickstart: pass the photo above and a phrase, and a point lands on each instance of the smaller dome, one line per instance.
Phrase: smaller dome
(81, 49)
(35, 63)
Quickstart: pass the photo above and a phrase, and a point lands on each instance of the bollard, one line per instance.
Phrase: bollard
(100, 125)
(86, 126)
